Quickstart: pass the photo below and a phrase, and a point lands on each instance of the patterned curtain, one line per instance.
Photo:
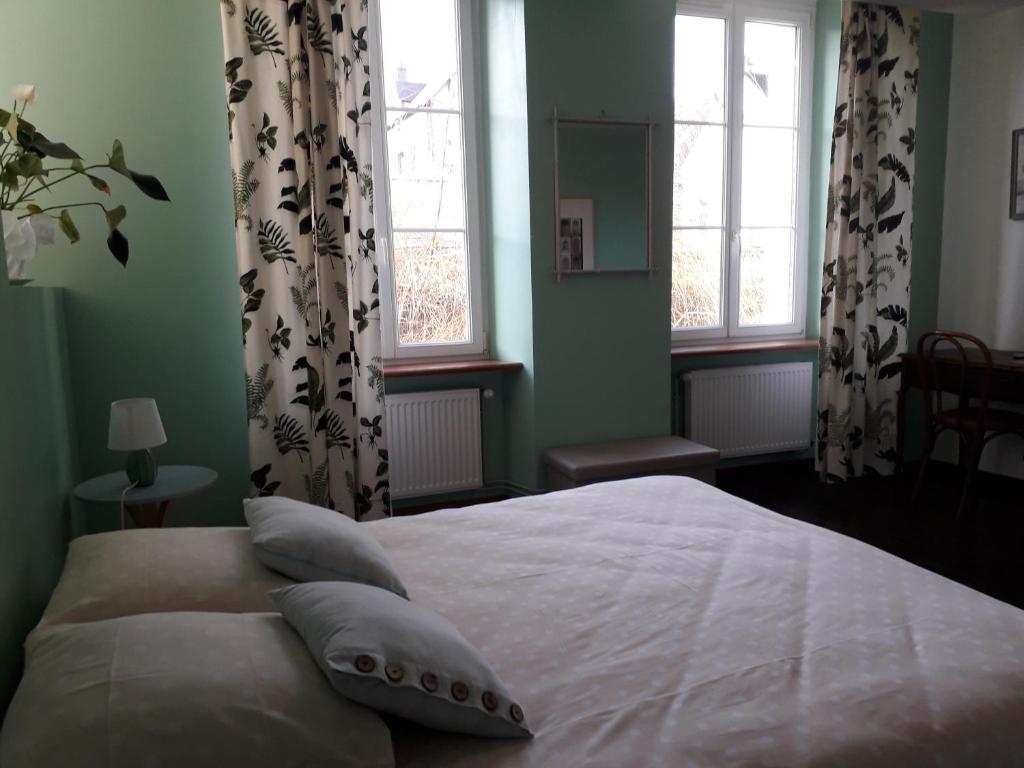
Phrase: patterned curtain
(299, 125)
(865, 295)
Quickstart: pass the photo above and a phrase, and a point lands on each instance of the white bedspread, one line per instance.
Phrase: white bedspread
(662, 622)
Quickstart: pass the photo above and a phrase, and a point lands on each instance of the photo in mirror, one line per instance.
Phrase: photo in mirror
(576, 234)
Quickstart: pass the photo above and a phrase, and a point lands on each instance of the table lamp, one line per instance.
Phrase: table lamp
(135, 426)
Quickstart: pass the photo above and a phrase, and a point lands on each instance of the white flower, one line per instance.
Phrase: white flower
(19, 243)
(24, 92)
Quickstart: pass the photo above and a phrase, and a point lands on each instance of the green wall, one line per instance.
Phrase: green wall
(936, 58)
(36, 464)
(147, 72)
(505, 148)
(601, 343)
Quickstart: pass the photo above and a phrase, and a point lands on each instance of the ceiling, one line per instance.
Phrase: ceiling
(963, 6)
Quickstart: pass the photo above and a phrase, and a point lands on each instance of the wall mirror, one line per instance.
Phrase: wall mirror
(602, 196)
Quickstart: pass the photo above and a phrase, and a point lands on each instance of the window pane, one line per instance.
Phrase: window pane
(698, 176)
(431, 288)
(766, 277)
(696, 278)
(700, 69)
(768, 175)
(770, 79)
(419, 39)
(425, 166)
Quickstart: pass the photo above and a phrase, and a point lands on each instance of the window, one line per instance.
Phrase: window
(425, 183)
(742, 144)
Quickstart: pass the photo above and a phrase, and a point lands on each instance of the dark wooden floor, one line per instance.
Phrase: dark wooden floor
(985, 551)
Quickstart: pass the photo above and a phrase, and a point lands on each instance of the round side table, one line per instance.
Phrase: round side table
(147, 506)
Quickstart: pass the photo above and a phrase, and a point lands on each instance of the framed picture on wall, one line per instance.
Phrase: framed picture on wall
(576, 235)
(1017, 176)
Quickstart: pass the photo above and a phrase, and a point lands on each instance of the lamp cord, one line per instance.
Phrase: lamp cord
(123, 494)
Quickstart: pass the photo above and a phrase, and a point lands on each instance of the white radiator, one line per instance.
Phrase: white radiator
(433, 442)
(750, 409)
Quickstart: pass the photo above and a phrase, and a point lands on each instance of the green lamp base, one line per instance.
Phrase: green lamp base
(141, 468)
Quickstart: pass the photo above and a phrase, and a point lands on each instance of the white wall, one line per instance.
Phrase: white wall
(982, 280)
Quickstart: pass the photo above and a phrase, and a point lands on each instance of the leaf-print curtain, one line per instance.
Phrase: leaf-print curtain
(865, 295)
(299, 125)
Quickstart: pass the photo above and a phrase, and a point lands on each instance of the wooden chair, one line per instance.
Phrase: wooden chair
(964, 370)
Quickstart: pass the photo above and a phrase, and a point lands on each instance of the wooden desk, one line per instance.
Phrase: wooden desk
(1007, 381)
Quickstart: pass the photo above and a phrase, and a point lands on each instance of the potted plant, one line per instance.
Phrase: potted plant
(31, 165)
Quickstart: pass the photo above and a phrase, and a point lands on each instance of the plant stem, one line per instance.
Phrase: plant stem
(55, 207)
(27, 191)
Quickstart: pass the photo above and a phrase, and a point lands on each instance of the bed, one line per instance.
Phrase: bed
(656, 621)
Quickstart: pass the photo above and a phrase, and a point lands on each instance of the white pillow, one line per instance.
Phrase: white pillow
(311, 543)
(401, 658)
(167, 690)
(154, 570)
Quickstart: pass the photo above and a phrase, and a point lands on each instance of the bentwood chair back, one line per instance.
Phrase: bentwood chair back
(950, 362)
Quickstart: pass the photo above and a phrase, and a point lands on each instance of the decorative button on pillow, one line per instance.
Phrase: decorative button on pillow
(311, 543)
(401, 658)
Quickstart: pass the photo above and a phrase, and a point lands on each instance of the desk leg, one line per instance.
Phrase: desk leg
(901, 407)
(149, 515)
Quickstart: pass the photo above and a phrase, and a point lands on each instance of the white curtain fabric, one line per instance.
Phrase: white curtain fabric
(865, 297)
(299, 124)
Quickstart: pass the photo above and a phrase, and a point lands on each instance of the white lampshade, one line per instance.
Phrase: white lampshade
(135, 425)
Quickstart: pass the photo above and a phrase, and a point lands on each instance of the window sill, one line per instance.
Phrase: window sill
(445, 368)
(737, 348)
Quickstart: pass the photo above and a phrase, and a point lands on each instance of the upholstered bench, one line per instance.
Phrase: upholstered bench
(575, 465)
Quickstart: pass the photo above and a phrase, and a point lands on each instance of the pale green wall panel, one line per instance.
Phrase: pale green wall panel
(930, 172)
(150, 73)
(507, 191)
(936, 54)
(36, 464)
(827, 28)
(601, 342)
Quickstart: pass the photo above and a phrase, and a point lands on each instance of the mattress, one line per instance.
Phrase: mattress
(662, 622)
(648, 622)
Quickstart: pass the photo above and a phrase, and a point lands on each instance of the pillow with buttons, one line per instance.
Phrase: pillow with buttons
(309, 543)
(398, 657)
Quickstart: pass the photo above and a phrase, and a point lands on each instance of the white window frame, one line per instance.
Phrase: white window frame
(735, 14)
(476, 347)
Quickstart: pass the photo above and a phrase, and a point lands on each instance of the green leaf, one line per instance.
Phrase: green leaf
(67, 226)
(11, 125)
(118, 245)
(148, 185)
(28, 165)
(115, 216)
(33, 208)
(9, 177)
(46, 148)
(99, 183)
(77, 165)
(117, 158)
